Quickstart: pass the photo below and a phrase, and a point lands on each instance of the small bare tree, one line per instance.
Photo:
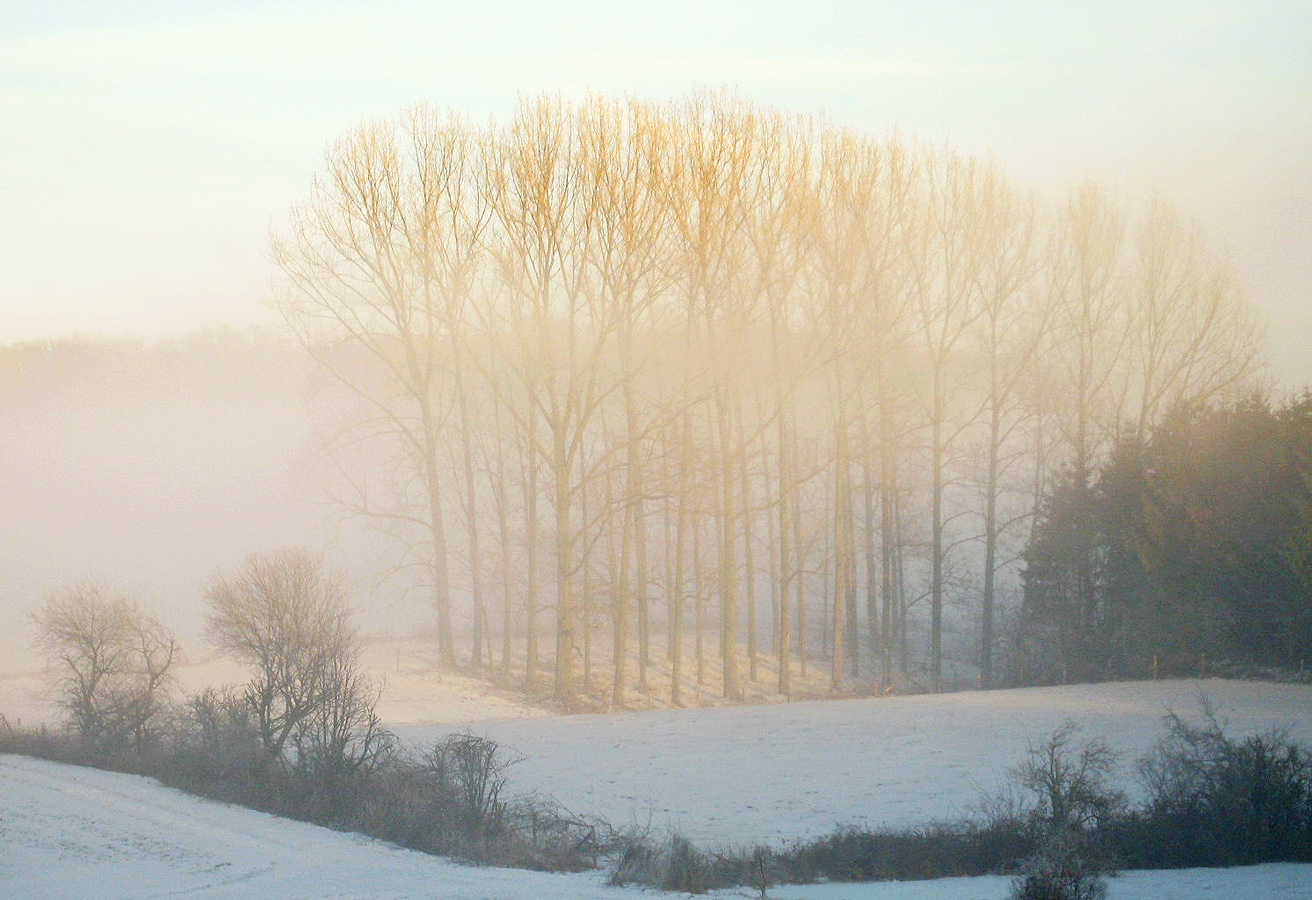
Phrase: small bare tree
(1068, 786)
(344, 740)
(113, 661)
(1068, 782)
(285, 615)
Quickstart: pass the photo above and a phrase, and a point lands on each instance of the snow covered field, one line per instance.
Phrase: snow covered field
(739, 775)
(68, 833)
(780, 772)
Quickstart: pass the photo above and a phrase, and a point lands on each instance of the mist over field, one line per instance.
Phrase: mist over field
(686, 396)
(148, 466)
(826, 451)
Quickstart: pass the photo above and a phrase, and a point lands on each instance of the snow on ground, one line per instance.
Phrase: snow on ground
(1270, 882)
(68, 833)
(780, 772)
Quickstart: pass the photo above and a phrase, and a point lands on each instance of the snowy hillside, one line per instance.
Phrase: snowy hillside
(80, 833)
(780, 772)
(69, 833)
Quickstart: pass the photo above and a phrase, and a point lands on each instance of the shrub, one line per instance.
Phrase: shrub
(285, 615)
(550, 838)
(1067, 784)
(936, 851)
(447, 801)
(761, 873)
(1069, 867)
(39, 742)
(679, 865)
(635, 862)
(1070, 806)
(214, 750)
(684, 867)
(451, 801)
(1216, 800)
(341, 744)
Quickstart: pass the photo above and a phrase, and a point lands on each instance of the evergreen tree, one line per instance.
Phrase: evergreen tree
(1192, 545)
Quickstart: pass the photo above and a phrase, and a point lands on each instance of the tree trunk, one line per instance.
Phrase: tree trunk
(799, 584)
(471, 524)
(728, 575)
(749, 576)
(871, 561)
(503, 534)
(936, 526)
(533, 588)
(566, 617)
(437, 534)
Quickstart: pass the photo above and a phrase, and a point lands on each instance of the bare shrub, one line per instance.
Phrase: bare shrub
(1218, 800)
(446, 801)
(451, 800)
(761, 869)
(343, 741)
(1068, 868)
(635, 861)
(215, 751)
(685, 868)
(470, 773)
(1068, 782)
(219, 719)
(548, 837)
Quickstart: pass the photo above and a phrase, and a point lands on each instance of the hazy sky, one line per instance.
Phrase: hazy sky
(149, 147)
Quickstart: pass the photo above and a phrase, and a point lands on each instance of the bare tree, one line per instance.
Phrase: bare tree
(1191, 335)
(619, 147)
(114, 662)
(1090, 332)
(1013, 328)
(708, 186)
(376, 264)
(284, 615)
(344, 737)
(947, 305)
(554, 332)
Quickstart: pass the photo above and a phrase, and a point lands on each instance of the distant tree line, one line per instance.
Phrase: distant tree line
(698, 393)
(1192, 543)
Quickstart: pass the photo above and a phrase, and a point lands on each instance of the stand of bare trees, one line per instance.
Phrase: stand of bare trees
(644, 371)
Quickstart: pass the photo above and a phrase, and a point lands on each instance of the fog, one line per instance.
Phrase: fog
(366, 366)
(149, 466)
(699, 388)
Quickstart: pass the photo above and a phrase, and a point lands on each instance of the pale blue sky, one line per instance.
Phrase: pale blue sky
(148, 147)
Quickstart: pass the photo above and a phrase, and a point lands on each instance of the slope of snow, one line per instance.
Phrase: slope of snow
(68, 832)
(777, 773)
